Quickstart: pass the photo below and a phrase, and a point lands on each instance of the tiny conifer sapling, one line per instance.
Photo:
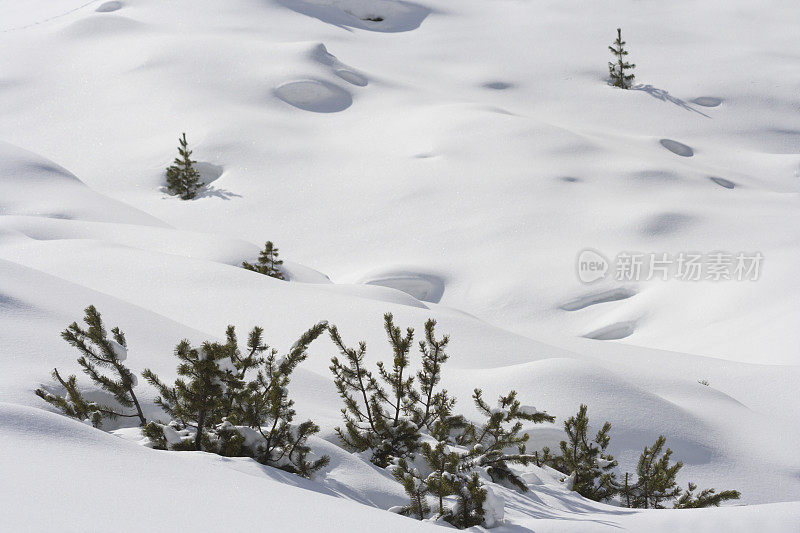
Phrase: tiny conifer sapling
(98, 352)
(183, 179)
(619, 68)
(268, 262)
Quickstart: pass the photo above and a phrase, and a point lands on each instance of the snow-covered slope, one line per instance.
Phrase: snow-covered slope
(449, 161)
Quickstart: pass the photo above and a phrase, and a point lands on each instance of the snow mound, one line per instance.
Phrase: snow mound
(34, 186)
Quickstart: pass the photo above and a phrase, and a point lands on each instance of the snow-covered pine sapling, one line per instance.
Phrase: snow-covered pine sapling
(470, 500)
(591, 468)
(618, 69)
(375, 419)
(183, 179)
(656, 477)
(416, 488)
(267, 408)
(268, 262)
(97, 352)
(444, 479)
(428, 407)
(73, 404)
(197, 401)
(656, 483)
(501, 431)
(237, 402)
(706, 497)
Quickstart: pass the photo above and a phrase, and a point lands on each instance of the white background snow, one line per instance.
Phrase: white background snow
(448, 161)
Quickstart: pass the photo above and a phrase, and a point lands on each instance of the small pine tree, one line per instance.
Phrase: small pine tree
(223, 397)
(198, 402)
(416, 488)
(73, 404)
(500, 432)
(470, 497)
(372, 415)
(268, 262)
(656, 477)
(98, 351)
(706, 497)
(587, 459)
(656, 483)
(183, 179)
(618, 68)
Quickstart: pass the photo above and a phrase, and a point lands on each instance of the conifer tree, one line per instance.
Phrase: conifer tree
(428, 407)
(706, 497)
(268, 262)
(197, 401)
(656, 483)
(73, 404)
(416, 488)
(618, 69)
(656, 477)
(587, 459)
(231, 391)
(500, 432)
(470, 498)
(183, 179)
(97, 352)
(372, 415)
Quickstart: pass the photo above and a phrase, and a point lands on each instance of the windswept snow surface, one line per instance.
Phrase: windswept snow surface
(450, 160)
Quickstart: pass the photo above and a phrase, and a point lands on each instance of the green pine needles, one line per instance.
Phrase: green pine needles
(183, 179)
(406, 423)
(98, 353)
(656, 483)
(618, 69)
(229, 401)
(589, 469)
(268, 262)
(236, 403)
(586, 459)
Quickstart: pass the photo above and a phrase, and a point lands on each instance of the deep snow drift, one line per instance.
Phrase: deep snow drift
(450, 160)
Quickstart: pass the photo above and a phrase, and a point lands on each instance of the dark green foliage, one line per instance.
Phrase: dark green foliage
(73, 404)
(268, 262)
(388, 413)
(470, 498)
(155, 432)
(227, 393)
(656, 483)
(371, 414)
(656, 477)
(432, 410)
(445, 466)
(706, 498)
(500, 432)
(416, 489)
(618, 69)
(183, 179)
(98, 352)
(587, 459)
(196, 401)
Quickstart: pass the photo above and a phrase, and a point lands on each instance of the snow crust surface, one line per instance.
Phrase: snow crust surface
(450, 160)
